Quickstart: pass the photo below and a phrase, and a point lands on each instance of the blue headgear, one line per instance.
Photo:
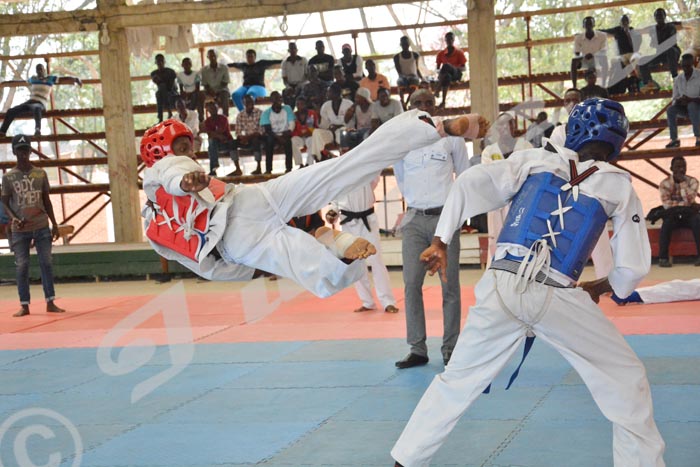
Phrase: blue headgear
(597, 120)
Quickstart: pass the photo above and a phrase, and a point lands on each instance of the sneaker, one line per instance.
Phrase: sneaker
(674, 144)
(22, 312)
(664, 263)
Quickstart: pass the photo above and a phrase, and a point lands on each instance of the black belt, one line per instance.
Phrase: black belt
(351, 215)
(427, 212)
(512, 266)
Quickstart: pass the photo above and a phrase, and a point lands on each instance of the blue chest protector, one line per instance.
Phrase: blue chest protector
(541, 209)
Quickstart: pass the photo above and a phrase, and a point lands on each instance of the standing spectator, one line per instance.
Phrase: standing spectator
(358, 120)
(348, 87)
(628, 43)
(351, 64)
(249, 132)
(25, 196)
(294, 74)
(572, 96)
(678, 196)
(191, 119)
(373, 81)
(686, 101)
(664, 40)
(220, 139)
(332, 122)
(306, 121)
(452, 63)
(277, 123)
(215, 80)
(189, 82)
(40, 86)
(591, 89)
(315, 90)
(324, 63)
(589, 49)
(539, 127)
(359, 219)
(164, 78)
(253, 77)
(408, 68)
(384, 108)
(424, 177)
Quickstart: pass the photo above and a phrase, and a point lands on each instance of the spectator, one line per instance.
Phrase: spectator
(628, 43)
(277, 123)
(40, 86)
(572, 96)
(332, 122)
(220, 139)
(539, 127)
(253, 77)
(424, 177)
(686, 101)
(191, 119)
(164, 78)
(306, 121)
(664, 40)
(359, 219)
(348, 86)
(408, 68)
(215, 80)
(315, 90)
(589, 49)
(294, 74)
(324, 63)
(25, 196)
(373, 81)
(591, 89)
(189, 82)
(249, 132)
(351, 64)
(452, 63)
(358, 120)
(678, 196)
(384, 108)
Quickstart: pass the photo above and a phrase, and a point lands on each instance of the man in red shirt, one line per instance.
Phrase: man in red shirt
(220, 139)
(451, 62)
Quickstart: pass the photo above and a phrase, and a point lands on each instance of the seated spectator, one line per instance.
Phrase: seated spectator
(215, 81)
(589, 50)
(164, 78)
(306, 121)
(539, 127)
(294, 75)
(348, 87)
(628, 42)
(189, 83)
(358, 121)
(591, 89)
(452, 63)
(331, 124)
(220, 139)
(678, 196)
(253, 77)
(572, 96)
(664, 40)
(315, 90)
(323, 62)
(373, 81)
(351, 64)
(191, 120)
(384, 108)
(277, 123)
(408, 68)
(248, 130)
(686, 101)
(40, 87)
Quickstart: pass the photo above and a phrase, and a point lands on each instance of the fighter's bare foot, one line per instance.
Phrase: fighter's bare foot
(470, 126)
(359, 249)
(344, 245)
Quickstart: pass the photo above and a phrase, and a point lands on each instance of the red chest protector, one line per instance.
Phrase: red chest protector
(180, 223)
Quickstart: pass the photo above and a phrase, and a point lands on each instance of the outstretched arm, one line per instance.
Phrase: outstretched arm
(70, 80)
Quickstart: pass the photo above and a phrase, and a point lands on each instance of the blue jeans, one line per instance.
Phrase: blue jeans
(255, 91)
(215, 147)
(21, 242)
(692, 111)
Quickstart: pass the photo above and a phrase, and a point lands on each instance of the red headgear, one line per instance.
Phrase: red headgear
(157, 141)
